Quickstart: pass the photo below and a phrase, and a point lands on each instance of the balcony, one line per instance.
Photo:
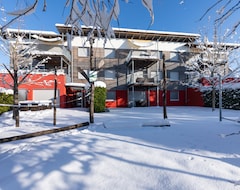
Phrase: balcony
(143, 54)
(135, 79)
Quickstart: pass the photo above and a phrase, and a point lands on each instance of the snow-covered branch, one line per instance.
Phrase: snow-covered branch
(98, 14)
(225, 9)
(19, 13)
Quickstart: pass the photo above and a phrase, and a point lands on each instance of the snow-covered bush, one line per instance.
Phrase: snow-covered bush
(230, 98)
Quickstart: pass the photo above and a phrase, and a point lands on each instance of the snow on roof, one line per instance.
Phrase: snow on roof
(46, 39)
(39, 32)
(157, 32)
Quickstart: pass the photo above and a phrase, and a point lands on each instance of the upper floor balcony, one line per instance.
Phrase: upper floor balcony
(139, 79)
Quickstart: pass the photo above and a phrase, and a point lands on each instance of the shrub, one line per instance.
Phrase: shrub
(5, 99)
(99, 99)
(230, 98)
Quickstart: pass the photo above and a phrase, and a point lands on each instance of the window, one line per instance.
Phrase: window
(109, 74)
(109, 53)
(174, 56)
(111, 95)
(83, 52)
(174, 76)
(174, 95)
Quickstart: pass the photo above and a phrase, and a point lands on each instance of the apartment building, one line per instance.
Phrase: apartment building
(131, 64)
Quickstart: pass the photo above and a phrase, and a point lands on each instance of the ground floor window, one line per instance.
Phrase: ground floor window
(174, 95)
(111, 95)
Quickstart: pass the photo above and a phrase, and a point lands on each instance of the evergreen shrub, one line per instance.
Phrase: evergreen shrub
(100, 95)
(230, 98)
(5, 99)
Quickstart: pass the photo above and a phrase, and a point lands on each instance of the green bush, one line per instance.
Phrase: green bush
(5, 99)
(100, 95)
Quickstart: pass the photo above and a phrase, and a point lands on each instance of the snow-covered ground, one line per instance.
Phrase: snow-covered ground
(197, 152)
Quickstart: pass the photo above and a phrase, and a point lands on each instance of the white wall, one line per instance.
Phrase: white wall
(128, 44)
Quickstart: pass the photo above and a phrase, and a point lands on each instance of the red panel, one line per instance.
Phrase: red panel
(194, 97)
(121, 98)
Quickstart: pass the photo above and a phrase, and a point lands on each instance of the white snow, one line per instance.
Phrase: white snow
(6, 91)
(195, 153)
(100, 84)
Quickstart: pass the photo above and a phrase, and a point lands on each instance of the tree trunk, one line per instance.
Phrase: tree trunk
(164, 90)
(213, 97)
(55, 99)
(91, 115)
(15, 96)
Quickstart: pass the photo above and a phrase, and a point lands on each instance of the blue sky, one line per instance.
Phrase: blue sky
(170, 15)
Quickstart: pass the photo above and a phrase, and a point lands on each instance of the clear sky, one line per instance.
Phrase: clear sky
(170, 15)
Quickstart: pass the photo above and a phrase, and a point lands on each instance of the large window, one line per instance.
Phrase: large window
(83, 52)
(174, 95)
(174, 76)
(109, 74)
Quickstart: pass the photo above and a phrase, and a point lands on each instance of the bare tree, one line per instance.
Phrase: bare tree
(211, 60)
(21, 60)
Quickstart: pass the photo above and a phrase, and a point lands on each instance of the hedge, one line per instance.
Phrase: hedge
(230, 98)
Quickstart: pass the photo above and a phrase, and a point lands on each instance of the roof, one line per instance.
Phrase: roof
(32, 33)
(124, 33)
(155, 35)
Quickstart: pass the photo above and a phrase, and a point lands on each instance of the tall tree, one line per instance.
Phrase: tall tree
(21, 59)
(211, 60)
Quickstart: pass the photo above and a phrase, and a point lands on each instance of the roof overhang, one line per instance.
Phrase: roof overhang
(135, 34)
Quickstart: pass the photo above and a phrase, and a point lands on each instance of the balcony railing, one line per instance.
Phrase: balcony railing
(144, 54)
(136, 79)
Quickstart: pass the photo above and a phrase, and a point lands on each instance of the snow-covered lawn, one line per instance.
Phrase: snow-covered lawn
(117, 152)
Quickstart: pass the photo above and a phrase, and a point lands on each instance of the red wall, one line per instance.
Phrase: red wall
(194, 97)
(37, 82)
(189, 97)
(121, 100)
